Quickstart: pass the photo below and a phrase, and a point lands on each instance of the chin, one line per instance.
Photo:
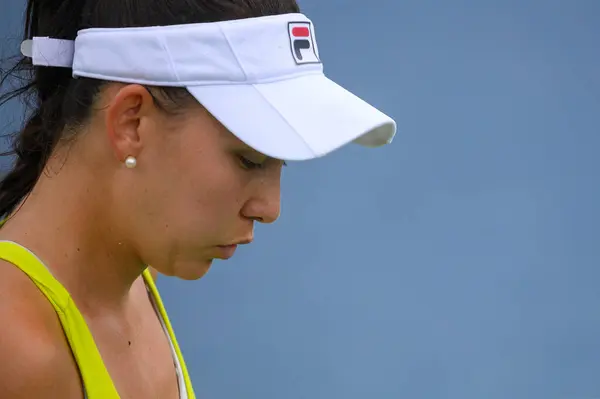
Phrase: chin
(191, 271)
(184, 269)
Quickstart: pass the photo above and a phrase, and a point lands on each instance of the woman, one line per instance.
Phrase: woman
(156, 140)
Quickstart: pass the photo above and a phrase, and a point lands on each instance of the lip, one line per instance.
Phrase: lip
(227, 251)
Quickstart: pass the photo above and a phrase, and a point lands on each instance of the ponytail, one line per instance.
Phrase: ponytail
(32, 150)
(44, 90)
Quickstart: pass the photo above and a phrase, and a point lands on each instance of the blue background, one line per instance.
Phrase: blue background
(462, 261)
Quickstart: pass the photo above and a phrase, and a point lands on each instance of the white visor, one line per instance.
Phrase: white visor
(262, 78)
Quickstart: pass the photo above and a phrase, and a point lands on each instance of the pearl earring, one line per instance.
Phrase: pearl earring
(130, 162)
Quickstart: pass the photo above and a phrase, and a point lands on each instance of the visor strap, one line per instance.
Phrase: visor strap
(46, 51)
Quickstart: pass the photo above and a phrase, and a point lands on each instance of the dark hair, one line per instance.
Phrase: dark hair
(56, 101)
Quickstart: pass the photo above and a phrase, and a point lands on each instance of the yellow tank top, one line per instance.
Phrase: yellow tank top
(96, 380)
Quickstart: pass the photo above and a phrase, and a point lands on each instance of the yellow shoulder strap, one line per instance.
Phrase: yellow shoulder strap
(96, 380)
(163, 313)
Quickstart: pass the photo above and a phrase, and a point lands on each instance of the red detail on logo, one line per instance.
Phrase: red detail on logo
(300, 32)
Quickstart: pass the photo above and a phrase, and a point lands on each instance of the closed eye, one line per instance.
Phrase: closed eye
(250, 165)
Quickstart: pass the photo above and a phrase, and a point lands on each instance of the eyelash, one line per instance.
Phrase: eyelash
(249, 165)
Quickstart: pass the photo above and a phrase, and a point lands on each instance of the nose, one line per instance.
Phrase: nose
(265, 205)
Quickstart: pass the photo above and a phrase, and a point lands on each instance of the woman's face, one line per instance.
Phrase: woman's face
(196, 190)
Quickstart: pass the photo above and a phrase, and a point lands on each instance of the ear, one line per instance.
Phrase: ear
(124, 116)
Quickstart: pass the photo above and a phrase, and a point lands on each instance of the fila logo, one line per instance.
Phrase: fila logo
(303, 43)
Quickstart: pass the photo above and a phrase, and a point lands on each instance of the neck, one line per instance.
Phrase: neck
(67, 227)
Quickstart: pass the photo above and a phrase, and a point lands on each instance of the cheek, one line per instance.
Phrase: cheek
(198, 190)
(208, 196)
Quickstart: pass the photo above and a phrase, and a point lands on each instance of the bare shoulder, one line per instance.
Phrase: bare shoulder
(35, 360)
